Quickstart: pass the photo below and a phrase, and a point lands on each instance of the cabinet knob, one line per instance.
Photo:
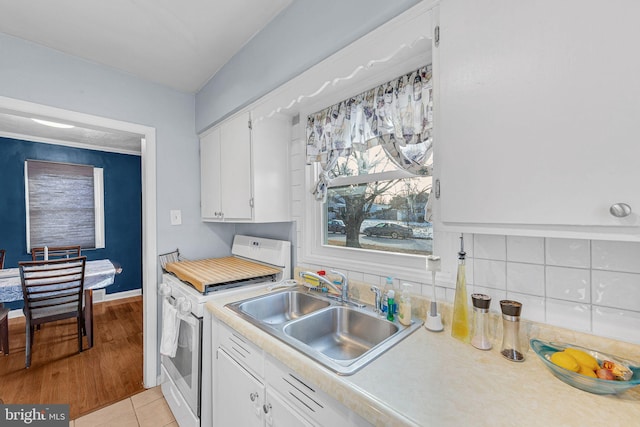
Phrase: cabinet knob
(253, 396)
(266, 407)
(620, 210)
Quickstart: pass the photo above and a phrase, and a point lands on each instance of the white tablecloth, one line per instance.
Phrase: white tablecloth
(98, 274)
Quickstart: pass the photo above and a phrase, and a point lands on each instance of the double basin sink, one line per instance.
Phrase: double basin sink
(341, 336)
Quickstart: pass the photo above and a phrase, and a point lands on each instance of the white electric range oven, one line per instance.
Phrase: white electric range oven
(186, 377)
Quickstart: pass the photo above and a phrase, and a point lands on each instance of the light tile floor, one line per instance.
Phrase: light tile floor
(146, 409)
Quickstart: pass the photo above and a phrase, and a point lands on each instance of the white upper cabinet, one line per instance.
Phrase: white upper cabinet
(244, 170)
(538, 116)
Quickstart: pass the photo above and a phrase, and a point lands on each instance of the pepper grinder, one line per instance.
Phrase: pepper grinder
(480, 337)
(511, 330)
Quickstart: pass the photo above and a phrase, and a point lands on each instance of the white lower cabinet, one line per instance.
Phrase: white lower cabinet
(278, 413)
(239, 395)
(254, 389)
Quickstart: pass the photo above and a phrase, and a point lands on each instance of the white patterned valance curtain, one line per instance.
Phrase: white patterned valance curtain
(397, 115)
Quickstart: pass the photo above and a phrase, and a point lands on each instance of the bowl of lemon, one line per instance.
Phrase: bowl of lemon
(587, 369)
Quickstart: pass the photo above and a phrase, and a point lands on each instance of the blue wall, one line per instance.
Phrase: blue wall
(122, 199)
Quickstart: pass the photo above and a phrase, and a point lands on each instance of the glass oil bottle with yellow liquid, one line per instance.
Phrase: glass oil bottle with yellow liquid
(460, 326)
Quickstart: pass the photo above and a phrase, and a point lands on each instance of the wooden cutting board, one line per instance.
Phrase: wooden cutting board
(212, 271)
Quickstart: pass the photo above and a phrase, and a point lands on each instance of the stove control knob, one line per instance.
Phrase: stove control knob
(164, 290)
(184, 306)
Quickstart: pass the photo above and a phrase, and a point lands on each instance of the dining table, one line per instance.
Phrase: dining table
(98, 274)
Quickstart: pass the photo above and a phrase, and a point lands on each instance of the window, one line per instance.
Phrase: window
(374, 157)
(64, 204)
(379, 206)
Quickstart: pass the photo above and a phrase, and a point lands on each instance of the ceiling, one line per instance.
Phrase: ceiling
(179, 44)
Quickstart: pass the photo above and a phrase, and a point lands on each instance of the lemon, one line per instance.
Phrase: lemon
(586, 371)
(584, 359)
(565, 360)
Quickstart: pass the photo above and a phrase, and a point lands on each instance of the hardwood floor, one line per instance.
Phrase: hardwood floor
(97, 377)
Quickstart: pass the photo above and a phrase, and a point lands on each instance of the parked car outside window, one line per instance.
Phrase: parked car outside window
(389, 229)
(336, 226)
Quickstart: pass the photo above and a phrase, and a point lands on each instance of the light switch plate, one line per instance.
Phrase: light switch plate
(176, 217)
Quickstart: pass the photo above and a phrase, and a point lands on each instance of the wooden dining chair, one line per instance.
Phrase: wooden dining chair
(2, 253)
(4, 329)
(52, 290)
(55, 252)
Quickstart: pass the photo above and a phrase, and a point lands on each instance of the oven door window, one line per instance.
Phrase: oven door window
(185, 367)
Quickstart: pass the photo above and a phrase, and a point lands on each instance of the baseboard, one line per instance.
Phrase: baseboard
(118, 295)
(99, 296)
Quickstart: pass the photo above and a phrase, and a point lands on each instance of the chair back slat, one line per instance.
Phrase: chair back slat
(53, 286)
(55, 252)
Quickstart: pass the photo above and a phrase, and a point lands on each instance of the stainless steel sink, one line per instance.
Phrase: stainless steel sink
(281, 307)
(342, 337)
(341, 333)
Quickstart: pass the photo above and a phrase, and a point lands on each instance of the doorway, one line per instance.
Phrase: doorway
(147, 147)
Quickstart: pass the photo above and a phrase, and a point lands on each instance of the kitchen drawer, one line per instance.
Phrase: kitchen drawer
(241, 349)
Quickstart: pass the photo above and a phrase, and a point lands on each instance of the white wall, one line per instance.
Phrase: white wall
(41, 75)
(304, 34)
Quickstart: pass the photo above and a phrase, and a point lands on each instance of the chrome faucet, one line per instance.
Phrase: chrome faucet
(344, 284)
(378, 299)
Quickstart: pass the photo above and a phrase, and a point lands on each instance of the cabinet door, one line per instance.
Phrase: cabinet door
(538, 112)
(235, 169)
(210, 175)
(270, 139)
(238, 397)
(280, 414)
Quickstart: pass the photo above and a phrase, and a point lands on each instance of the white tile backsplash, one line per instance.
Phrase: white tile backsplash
(567, 314)
(572, 284)
(618, 324)
(588, 286)
(568, 252)
(525, 249)
(525, 278)
(489, 246)
(617, 290)
(488, 273)
(616, 256)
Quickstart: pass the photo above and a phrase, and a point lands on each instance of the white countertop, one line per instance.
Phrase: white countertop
(431, 379)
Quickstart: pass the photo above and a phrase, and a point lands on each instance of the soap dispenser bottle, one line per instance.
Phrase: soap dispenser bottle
(391, 305)
(460, 327)
(404, 312)
(385, 297)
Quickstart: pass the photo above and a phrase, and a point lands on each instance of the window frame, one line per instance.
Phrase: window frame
(98, 204)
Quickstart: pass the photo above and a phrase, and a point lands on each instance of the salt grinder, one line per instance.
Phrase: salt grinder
(480, 337)
(511, 330)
